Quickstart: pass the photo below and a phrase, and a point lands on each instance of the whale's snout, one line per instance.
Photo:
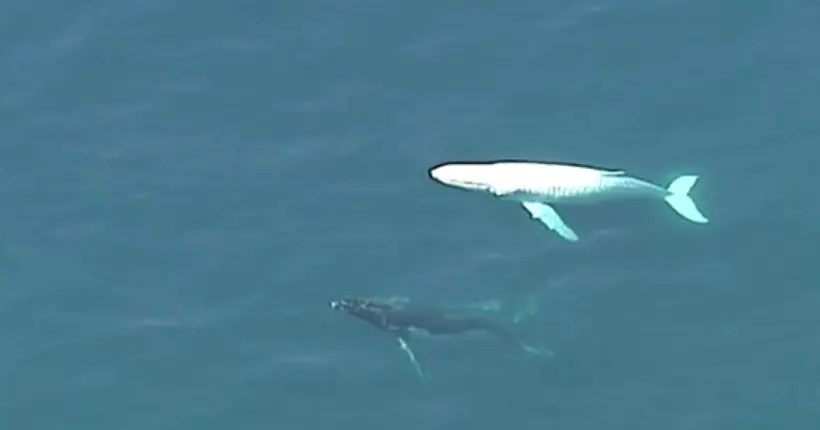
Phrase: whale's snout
(443, 173)
(346, 305)
(464, 176)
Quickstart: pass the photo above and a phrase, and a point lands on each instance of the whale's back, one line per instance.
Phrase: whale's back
(554, 180)
(561, 182)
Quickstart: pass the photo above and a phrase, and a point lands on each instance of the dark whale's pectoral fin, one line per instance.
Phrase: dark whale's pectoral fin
(403, 344)
(549, 217)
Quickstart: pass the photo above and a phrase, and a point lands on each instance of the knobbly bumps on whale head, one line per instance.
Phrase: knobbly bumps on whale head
(345, 304)
(355, 306)
(363, 309)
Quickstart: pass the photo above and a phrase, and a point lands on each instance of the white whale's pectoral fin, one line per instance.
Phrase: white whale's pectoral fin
(404, 346)
(549, 217)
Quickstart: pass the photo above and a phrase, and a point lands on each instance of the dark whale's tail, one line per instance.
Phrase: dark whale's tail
(514, 338)
(538, 350)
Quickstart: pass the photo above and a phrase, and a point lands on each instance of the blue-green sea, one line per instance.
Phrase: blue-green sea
(185, 185)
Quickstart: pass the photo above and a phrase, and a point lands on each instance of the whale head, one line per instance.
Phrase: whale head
(465, 176)
(348, 305)
(360, 308)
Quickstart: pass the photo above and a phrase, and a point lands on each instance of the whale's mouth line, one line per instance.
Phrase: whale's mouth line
(468, 185)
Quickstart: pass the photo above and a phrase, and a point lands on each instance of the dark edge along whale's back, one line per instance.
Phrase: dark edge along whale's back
(521, 160)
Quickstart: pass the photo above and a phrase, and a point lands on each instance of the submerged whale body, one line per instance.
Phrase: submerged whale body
(406, 320)
(536, 186)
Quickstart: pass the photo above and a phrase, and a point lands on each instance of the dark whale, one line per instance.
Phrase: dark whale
(403, 320)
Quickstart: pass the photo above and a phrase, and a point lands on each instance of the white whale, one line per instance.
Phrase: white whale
(537, 185)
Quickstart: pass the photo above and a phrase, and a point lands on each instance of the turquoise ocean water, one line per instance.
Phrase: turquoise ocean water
(185, 185)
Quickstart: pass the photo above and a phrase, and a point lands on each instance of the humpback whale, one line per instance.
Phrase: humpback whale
(406, 320)
(536, 186)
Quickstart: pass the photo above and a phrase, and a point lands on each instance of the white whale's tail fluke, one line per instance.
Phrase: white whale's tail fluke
(680, 201)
